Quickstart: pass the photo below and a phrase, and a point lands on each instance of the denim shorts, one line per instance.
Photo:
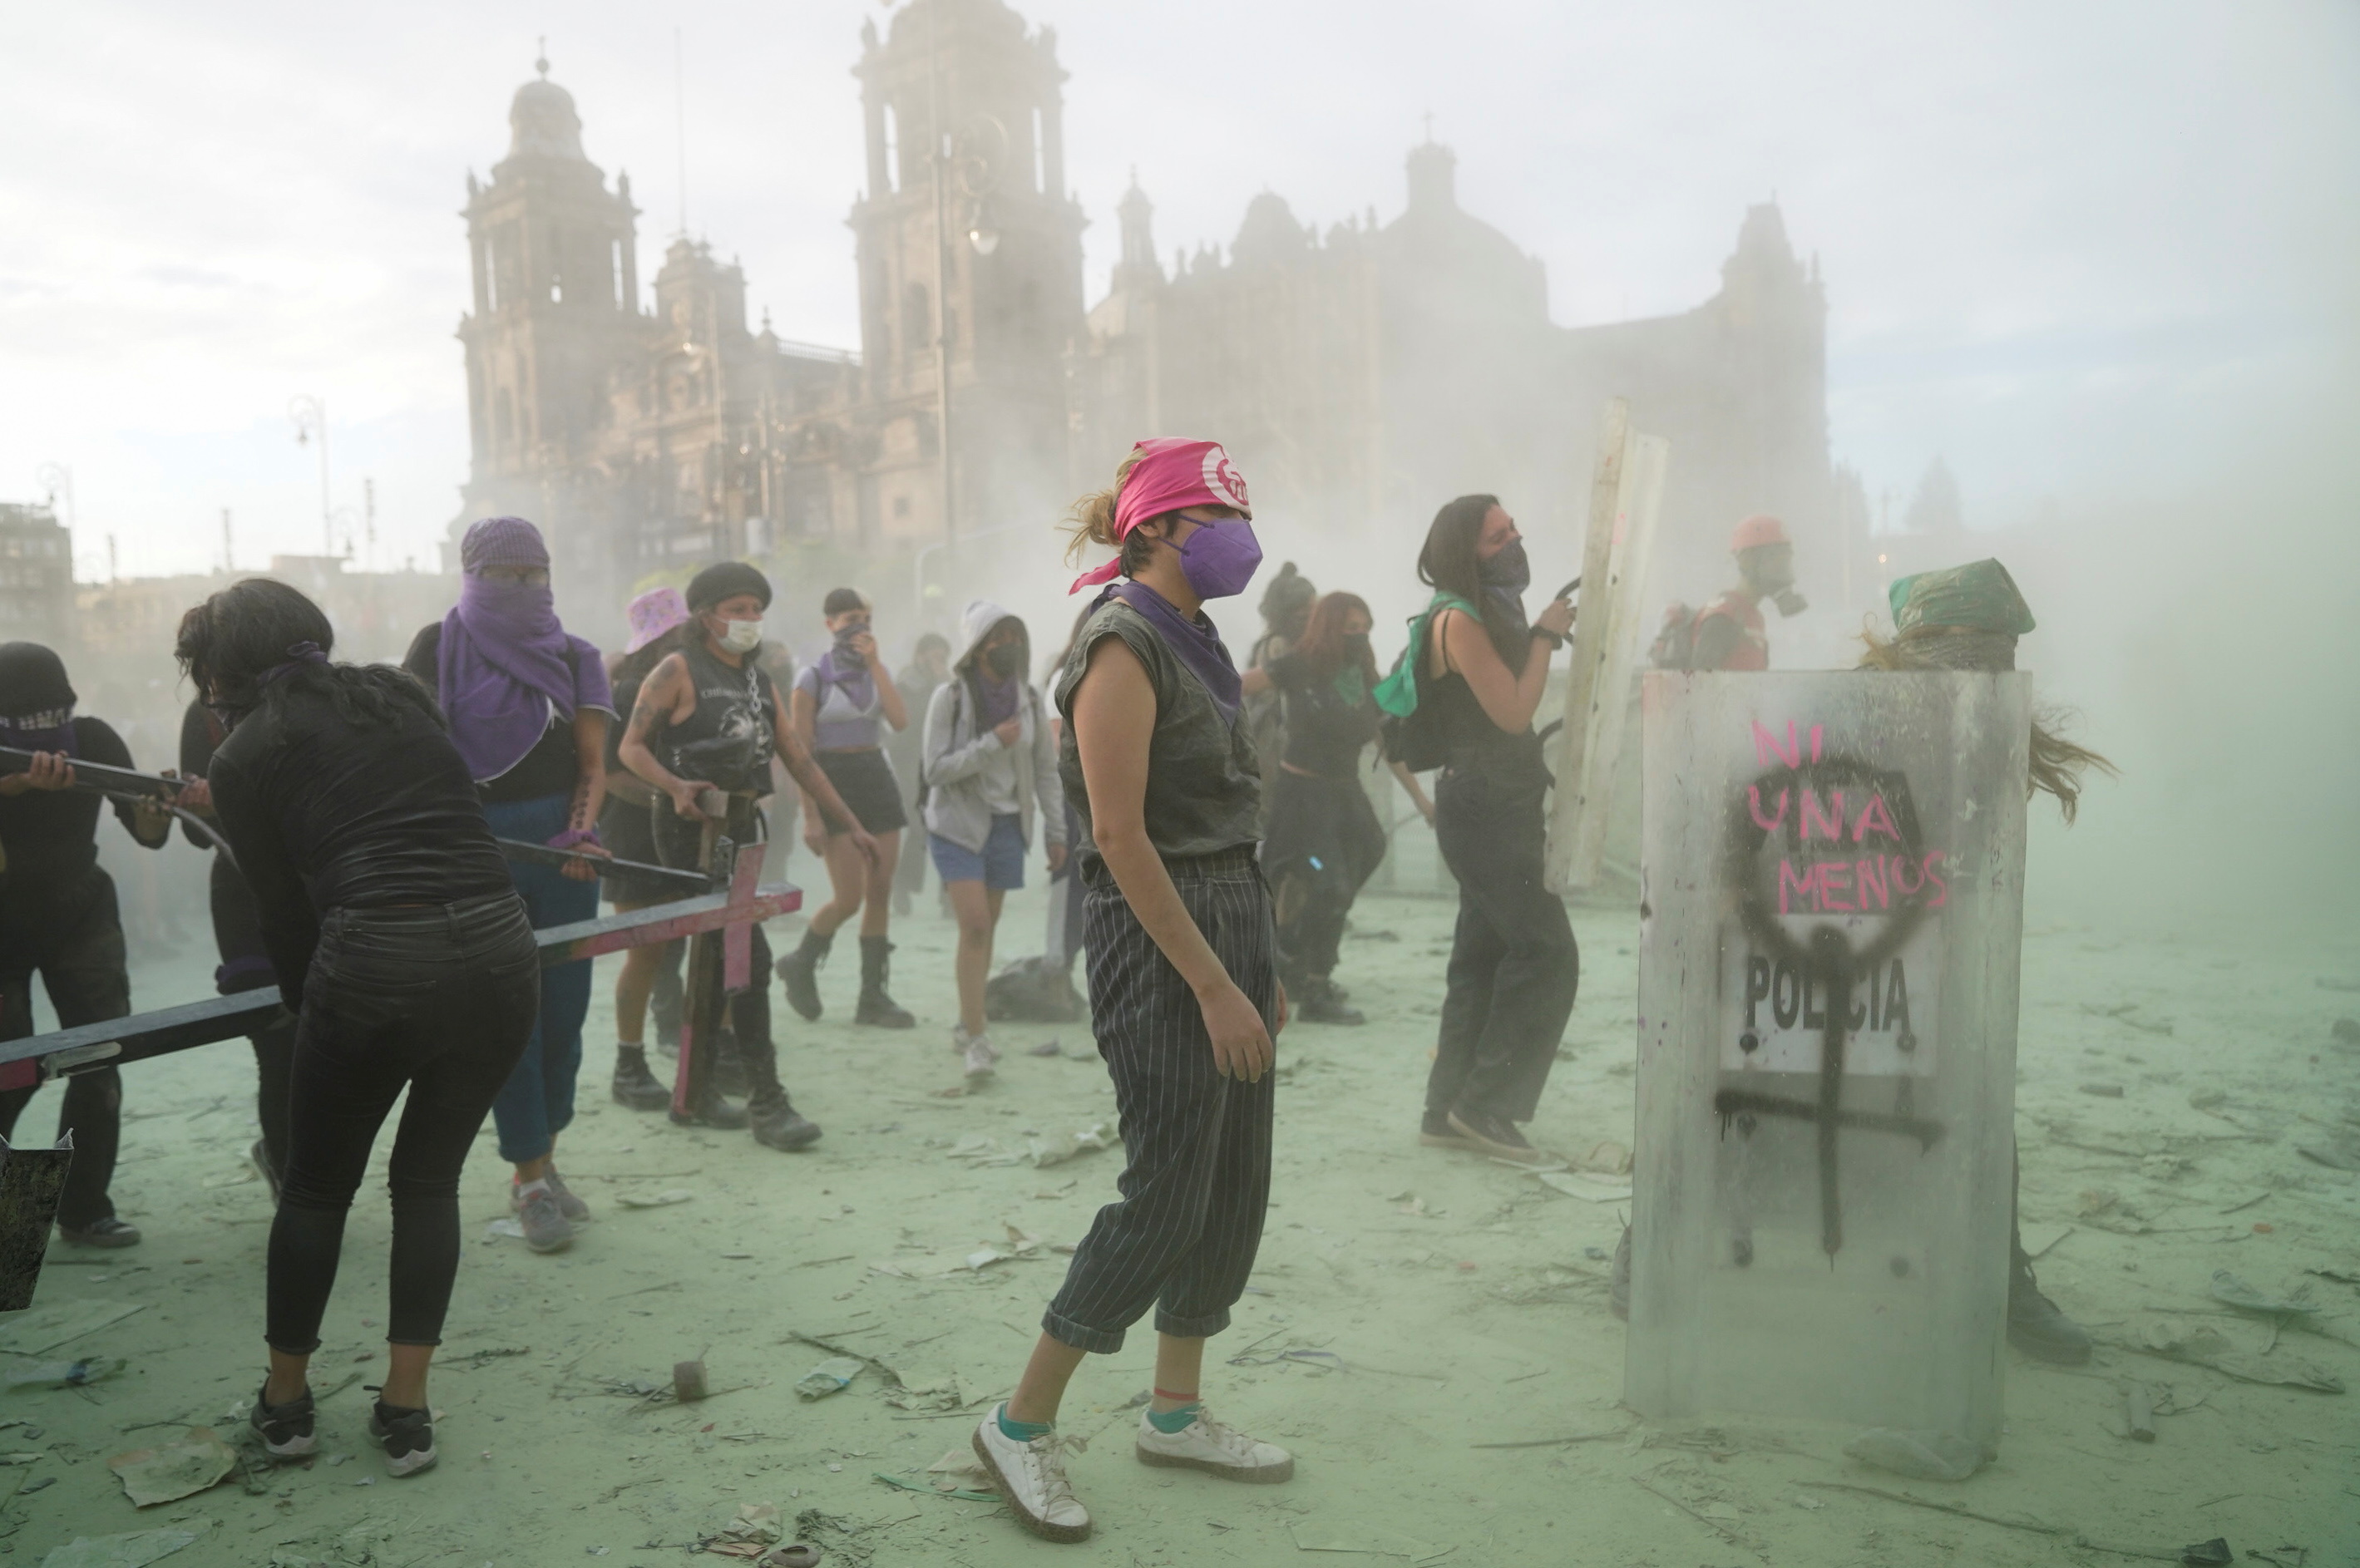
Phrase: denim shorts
(1000, 867)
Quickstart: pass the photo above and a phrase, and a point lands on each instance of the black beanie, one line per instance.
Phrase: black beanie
(727, 579)
(32, 680)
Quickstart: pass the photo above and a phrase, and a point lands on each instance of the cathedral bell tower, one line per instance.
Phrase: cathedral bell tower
(556, 309)
(970, 263)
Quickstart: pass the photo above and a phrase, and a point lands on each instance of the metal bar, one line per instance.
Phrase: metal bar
(97, 776)
(541, 855)
(115, 1041)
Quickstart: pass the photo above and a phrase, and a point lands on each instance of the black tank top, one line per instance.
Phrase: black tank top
(1475, 745)
(727, 741)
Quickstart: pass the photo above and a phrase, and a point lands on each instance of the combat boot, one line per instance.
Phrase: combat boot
(2035, 1325)
(1321, 1004)
(876, 1006)
(800, 970)
(635, 1087)
(710, 1110)
(776, 1124)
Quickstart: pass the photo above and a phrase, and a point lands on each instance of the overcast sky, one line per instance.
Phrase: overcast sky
(2082, 250)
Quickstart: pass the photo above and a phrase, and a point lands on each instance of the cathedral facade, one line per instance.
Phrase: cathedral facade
(1362, 374)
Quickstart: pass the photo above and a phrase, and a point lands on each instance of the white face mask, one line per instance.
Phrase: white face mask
(741, 637)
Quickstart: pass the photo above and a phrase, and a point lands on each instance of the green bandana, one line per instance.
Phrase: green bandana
(1980, 595)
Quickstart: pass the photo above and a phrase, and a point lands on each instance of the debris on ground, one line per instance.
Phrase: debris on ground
(135, 1549)
(1058, 1148)
(63, 1374)
(182, 1469)
(832, 1375)
(1921, 1455)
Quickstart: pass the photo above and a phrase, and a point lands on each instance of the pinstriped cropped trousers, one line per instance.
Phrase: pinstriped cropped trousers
(1196, 1177)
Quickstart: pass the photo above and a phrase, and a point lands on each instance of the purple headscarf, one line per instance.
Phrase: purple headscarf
(1196, 644)
(507, 667)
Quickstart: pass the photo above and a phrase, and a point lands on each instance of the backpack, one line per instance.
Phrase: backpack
(1410, 732)
(1675, 644)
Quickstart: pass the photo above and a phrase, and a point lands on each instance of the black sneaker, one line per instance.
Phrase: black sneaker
(777, 1125)
(1495, 1135)
(1435, 1131)
(406, 1435)
(107, 1231)
(635, 1087)
(288, 1431)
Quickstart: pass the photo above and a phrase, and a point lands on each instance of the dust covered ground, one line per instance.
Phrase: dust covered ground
(1411, 1306)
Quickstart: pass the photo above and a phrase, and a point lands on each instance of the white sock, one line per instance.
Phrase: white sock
(527, 1189)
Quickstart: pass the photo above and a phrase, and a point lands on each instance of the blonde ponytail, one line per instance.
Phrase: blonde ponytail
(1090, 520)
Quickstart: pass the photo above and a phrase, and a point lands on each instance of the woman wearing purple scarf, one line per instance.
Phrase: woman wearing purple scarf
(529, 707)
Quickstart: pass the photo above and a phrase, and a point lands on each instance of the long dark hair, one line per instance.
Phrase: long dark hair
(1449, 563)
(252, 645)
(1322, 647)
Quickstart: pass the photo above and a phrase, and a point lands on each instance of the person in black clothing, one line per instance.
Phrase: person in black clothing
(650, 976)
(57, 917)
(1513, 966)
(1324, 839)
(386, 909)
(708, 716)
(238, 935)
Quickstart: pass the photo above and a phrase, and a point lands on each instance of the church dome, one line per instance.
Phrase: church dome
(543, 121)
(1269, 234)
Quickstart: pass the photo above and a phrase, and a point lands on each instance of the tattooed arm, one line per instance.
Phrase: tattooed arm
(662, 696)
(589, 788)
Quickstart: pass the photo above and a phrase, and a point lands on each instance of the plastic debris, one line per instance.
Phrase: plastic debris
(46, 1328)
(2211, 1348)
(2228, 1287)
(135, 1549)
(832, 1375)
(1059, 1147)
(1921, 1455)
(1587, 1188)
(182, 1469)
(507, 1226)
(63, 1374)
(2212, 1553)
(654, 1200)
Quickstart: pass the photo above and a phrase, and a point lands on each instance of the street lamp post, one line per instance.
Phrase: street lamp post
(311, 415)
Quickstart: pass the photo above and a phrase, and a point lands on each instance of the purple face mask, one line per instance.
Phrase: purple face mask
(1220, 558)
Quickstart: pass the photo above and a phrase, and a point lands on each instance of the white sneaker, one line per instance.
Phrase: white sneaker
(1205, 1444)
(1030, 1479)
(980, 1053)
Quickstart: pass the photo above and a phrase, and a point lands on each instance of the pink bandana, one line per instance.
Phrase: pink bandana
(1172, 475)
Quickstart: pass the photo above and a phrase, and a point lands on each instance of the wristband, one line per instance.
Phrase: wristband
(573, 836)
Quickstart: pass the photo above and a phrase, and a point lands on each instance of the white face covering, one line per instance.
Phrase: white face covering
(741, 637)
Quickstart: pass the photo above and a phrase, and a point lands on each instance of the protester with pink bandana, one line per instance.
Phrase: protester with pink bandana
(529, 706)
(1184, 997)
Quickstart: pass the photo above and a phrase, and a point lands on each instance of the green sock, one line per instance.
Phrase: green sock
(1171, 1421)
(1023, 1431)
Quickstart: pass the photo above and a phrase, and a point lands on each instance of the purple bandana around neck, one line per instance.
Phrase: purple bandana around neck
(1196, 644)
(504, 672)
(998, 697)
(851, 677)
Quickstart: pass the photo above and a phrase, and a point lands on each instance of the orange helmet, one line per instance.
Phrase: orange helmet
(1761, 528)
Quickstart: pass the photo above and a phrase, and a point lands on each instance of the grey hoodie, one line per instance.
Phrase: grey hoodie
(965, 766)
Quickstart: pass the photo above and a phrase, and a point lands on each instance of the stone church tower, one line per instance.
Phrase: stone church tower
(969, 241)
(556, 311)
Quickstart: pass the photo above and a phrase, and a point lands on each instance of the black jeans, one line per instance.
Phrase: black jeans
(1325, 841)
(442, 1001)
(1513, 965)
(238, 936)
(73, 938)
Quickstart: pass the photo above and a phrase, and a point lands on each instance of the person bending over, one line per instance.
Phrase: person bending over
(392, 925)
(57, 918)
(989, 761)
(1513, 966)
(529, 706)
(1185, 995)
(708, 717)
(843, 705)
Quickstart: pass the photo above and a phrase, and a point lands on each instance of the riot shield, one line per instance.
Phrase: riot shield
(1831, 910)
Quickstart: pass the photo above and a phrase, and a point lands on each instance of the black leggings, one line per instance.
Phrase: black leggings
(1324, 844)
(441, 1000)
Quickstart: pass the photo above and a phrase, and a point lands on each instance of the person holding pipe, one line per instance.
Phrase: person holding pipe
(528, 704)
(389, 918)
(1185, 995)
(57, 917)
(708, 717)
